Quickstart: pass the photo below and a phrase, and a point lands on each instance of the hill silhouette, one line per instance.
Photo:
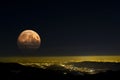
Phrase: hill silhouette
(15, 71)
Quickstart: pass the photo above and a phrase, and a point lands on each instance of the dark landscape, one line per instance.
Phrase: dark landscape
(59, 40)
(15, 71)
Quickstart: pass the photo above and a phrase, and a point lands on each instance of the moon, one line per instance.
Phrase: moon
(29, 40)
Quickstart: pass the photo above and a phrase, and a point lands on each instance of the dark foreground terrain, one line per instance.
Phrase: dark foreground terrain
(15, 71)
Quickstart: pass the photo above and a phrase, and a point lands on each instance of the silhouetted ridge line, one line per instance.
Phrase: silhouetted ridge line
(15, 71)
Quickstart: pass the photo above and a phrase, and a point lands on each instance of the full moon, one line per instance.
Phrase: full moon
(29, 39)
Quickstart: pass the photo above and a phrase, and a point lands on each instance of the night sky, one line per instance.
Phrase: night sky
(66, 28)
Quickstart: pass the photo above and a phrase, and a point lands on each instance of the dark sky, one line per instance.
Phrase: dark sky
(66, 28)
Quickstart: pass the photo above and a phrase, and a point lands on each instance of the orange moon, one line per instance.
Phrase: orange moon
(29, 39)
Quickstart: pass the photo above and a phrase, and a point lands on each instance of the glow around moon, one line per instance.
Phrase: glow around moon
(29, 39)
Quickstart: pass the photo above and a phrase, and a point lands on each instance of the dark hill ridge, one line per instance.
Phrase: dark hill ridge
(15, 71)
(97, 65)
